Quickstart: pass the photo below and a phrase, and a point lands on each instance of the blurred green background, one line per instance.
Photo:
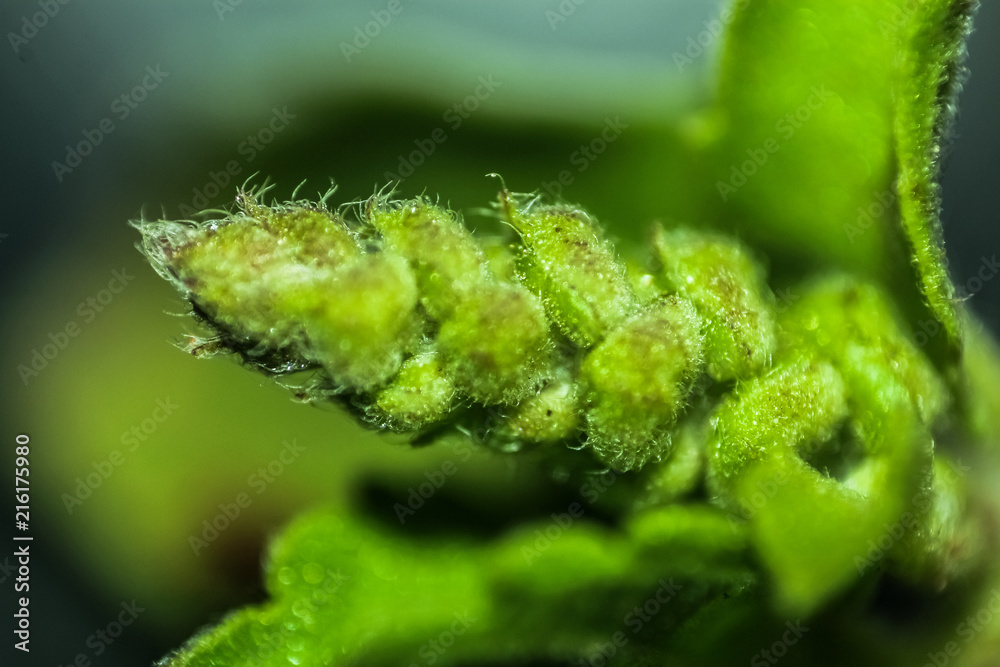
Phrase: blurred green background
(269, 88)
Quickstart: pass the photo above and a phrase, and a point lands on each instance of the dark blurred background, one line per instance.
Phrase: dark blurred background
(135, 445)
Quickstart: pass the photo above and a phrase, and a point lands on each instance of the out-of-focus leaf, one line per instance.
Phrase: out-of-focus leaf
(834, 114)
(806, 98)
(345, 592)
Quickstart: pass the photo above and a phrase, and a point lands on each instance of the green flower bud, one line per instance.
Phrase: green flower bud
(553, 414)
(230, 268)
(839, 313)
(362, 320)
(569, 264)
(939, 540)
(795, 407)
(235, 294)
(306, 231)
(728, 289)
(496, 345)
(678, 475)
(293, 278)
(444, 255)
(638, 379)
(779, 462)
(421, 393)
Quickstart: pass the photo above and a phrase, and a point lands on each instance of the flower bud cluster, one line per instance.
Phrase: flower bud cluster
(400, 308)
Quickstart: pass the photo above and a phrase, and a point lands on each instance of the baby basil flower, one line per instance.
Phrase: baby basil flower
(569, 264)
(361, 320)
(552, 415)
(796, 407)
(293, 278)
(839, 312)
(637, 382)
(445, 257)
(726, 286)
(420, 394)
(496, 344)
